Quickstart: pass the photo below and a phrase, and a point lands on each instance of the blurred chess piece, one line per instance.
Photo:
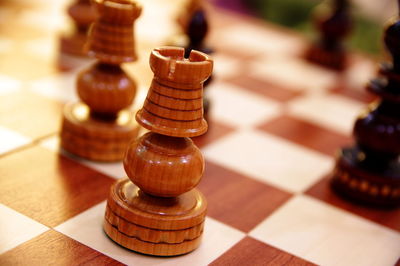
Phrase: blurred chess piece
(158, 211)
(194, 24)
(72, 53)
(333, 28)
(101, 125)
(369, 172)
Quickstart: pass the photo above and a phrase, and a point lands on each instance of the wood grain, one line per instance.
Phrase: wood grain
(54, 248)
(40, 115)
(226, 189)
(90, 138)
(157, 249)
(174, 104)
(105, 88)
(152, 235)
(264, 88)
(160, 212)
(111, 39)
(306, 134)
(101, 128)
(154, 225)
(49, 187)
(168, 167)
(260, 254)
(176, 213)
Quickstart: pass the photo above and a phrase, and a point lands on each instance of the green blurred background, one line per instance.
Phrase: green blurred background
(297, 14)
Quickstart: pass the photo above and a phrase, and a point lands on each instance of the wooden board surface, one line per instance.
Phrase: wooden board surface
(276, 122)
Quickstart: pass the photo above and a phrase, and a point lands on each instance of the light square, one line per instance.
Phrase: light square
(239, 108)
(11, 140)
(270, 159)
(6, 45)
(87, 229)
(298, 74)
(331, 111)
(9, 85)
(225, 66)
(58, 87)
(327, 235)
(16, 228)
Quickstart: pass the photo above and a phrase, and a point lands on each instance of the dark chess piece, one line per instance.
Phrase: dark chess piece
(158, 210)
(101, 126)
(72, 52)
(196, 30)
(195, 26)
(333, 28)
(369, 172)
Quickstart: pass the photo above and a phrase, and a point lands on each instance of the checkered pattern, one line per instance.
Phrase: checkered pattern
(276, 122)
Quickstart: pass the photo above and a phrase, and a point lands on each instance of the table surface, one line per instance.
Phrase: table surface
(276, 123)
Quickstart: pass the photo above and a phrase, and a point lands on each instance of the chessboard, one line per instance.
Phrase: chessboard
(276, 123)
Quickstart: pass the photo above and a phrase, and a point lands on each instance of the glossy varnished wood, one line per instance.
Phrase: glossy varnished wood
(260, 254)
(152, 235)
(105, 88)
(180, 80)
(101, 127)
(226, 189)
(112, 36)
(158, 211)
(54, 189)
(94, 139)
(175, 213)
(54, 248)
(154, 225)
(22, 105)
(169, 167)
(157, 249)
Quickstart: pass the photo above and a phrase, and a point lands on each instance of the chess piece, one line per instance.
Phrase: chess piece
(100, 127)
(158, 211)
(196, 29)
(369, 172)
(333, 29)
(83, 14)
(195, 26)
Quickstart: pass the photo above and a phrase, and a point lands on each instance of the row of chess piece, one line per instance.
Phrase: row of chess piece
(157, 210)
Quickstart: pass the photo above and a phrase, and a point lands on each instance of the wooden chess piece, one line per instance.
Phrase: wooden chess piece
(73, 54)
(333, 29)
(158, 211)
(369, 172)
(101, 127)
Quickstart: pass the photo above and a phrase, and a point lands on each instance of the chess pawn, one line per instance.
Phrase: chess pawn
(158, 210)
(369, 172)
(72, 49)
(101, 126)
(333, 29)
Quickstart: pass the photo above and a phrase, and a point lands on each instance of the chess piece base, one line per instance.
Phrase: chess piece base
(154, 225)
(332, 59)
(95, 139)
(353, 181)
